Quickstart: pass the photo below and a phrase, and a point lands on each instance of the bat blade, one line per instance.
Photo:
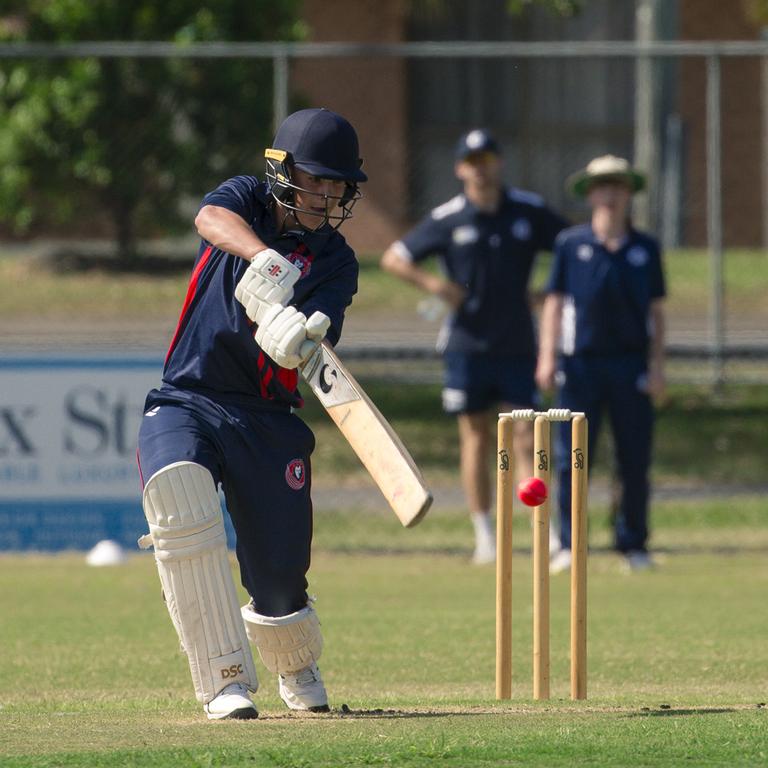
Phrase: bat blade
(369, 434)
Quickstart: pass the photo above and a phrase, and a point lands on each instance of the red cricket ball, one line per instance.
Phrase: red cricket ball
(532, 491)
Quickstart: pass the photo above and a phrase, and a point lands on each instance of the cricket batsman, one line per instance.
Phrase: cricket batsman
(272, 279)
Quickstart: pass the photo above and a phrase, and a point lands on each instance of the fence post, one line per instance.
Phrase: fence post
(714, 218)
(279, 89)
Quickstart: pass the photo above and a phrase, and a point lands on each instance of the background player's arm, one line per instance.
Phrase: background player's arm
(549, 335)
(656, 377)
(228, 232)
(393, 262)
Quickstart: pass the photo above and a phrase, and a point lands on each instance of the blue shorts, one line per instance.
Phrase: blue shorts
(261, 461)
(474, 383)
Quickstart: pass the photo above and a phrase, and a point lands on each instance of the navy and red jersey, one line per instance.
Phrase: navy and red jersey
(607, 295)
(491, 255)
(213, 351)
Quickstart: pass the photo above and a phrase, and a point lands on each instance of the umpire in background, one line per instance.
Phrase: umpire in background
(605, 312)
(486, 239)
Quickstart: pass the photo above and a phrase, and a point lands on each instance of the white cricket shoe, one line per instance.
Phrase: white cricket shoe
(234, 702)
(638, 560)
(485, 552)
(560, 561)
(304, 690)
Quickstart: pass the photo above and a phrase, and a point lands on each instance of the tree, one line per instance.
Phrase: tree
(129, 139)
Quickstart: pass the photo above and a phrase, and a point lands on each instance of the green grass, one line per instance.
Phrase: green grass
(694, 525)
(698, 438)
(38, 292)
(90, 674)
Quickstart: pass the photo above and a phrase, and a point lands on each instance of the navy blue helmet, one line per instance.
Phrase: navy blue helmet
(321, 143)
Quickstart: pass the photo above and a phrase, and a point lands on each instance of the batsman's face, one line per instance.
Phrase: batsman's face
(480, 169)
(316, 197)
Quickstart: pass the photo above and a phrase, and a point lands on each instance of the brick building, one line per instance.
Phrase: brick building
(551, 116)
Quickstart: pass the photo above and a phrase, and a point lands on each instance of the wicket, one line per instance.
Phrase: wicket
(505, 490)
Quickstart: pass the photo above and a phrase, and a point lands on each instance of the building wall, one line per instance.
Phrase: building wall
(371, 94)
(742, 153)
(407, 150)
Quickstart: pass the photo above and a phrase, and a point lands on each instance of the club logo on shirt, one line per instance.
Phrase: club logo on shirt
(302, 261)
(295, 474)
(465, 235)
(637, 256)
(521, 229)
(584, 252)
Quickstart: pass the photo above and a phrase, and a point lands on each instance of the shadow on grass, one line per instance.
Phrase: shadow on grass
(670, 712)
(346, 713)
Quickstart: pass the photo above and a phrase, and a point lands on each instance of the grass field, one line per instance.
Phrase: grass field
(90, 673)
(33, 290)
(678, 664)
(698, 439)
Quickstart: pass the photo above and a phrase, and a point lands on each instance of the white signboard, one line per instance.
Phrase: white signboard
(68, 427)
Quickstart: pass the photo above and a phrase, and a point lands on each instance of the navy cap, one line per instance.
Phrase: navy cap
(321, 143)
(478, 140)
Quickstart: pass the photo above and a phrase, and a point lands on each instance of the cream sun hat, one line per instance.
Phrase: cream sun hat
(605, 168)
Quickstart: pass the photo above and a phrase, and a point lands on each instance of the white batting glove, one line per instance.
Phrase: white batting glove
(269, 280)
(288, 337)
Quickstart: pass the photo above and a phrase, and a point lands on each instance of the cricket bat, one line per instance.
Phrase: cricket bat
(369, 434)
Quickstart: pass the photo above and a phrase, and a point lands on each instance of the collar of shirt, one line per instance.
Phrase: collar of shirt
(479, 212)
(620, 245)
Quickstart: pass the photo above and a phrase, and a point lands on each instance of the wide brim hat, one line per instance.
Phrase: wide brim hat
(605, 168)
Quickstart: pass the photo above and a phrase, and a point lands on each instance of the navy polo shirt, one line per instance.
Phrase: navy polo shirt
(213, 350)
(607, 295)
(491, 255)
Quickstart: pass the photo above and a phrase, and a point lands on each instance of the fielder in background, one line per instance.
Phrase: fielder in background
(486, 240)
(273, 277)
(604, 313)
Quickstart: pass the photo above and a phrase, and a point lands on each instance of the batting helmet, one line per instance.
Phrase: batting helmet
(321, 143)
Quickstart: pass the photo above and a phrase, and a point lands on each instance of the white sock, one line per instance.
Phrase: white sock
(481, 521)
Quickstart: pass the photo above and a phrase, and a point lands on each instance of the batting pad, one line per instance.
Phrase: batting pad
(186, 527)
(286, 643)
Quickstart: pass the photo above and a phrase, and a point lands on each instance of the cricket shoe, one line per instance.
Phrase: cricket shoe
(638, 560)
(304, 690)
(560, 561)
(233, 703)
(485, 552)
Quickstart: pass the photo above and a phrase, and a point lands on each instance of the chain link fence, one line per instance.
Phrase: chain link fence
(129, 136)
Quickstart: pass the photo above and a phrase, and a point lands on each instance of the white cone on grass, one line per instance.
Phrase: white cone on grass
(106, 552)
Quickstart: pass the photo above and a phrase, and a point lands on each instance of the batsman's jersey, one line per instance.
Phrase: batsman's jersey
(213, 351)
(491, 256)
(607, 295)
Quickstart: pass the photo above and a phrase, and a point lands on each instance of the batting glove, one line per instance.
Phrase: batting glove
(288, 337)
(268, 281)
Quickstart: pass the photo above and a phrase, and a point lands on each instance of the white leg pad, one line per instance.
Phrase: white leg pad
(187, 530)
(286, 643)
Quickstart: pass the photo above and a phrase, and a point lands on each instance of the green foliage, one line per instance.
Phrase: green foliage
(130, 138)
(558, 7)
(756, 11)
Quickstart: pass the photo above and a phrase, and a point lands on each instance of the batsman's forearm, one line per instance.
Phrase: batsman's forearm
(227, 231)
